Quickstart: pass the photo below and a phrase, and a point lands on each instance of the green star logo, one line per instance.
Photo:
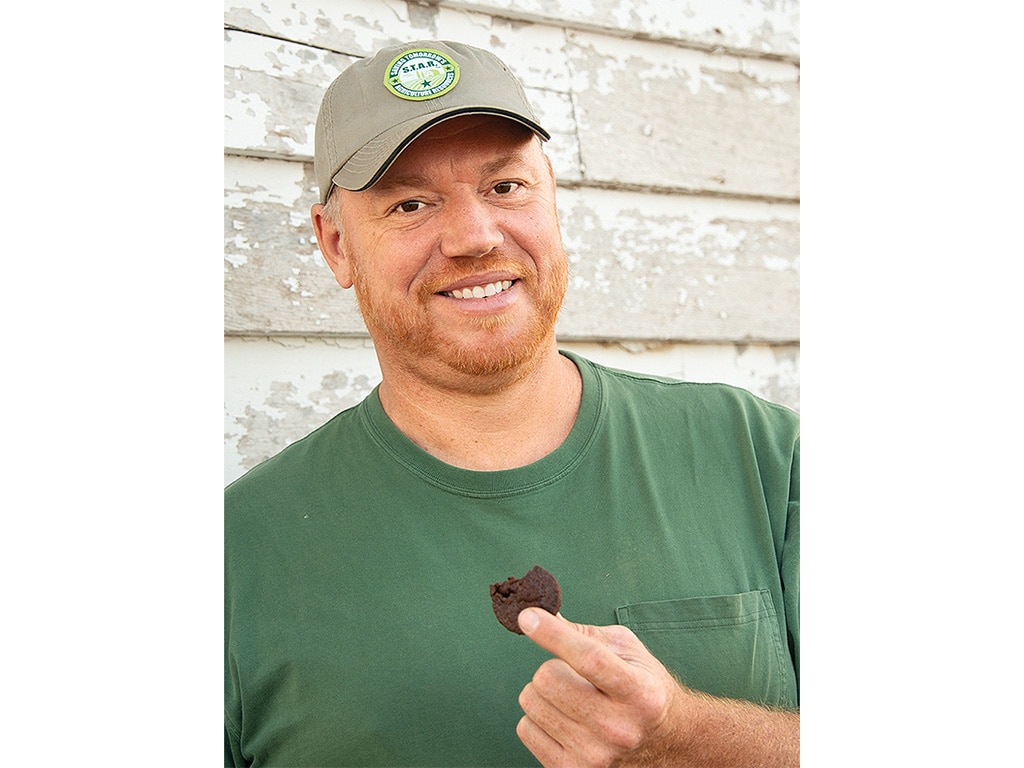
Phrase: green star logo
(421, 74)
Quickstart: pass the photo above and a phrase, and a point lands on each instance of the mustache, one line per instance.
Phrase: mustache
(454, 272)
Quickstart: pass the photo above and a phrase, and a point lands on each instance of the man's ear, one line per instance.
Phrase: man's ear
(329, 238)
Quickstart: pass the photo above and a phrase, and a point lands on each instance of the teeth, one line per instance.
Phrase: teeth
(480, 291)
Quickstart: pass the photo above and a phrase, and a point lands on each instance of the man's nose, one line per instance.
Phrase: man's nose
(470, 228)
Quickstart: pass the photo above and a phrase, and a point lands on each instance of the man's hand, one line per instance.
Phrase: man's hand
(602, 697)
(604, 700)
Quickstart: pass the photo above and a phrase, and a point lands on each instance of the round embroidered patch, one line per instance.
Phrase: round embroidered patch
(421, 74)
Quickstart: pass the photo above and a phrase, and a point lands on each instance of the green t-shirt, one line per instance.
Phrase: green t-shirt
(359, 628)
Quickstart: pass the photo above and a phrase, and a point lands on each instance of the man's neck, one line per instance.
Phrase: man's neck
(488, 428)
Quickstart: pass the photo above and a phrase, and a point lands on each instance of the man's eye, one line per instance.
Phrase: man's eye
(504, 187)
(409, 206)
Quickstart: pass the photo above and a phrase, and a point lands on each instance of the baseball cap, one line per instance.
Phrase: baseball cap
(379, 105)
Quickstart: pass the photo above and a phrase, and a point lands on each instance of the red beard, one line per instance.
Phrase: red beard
(413, 333)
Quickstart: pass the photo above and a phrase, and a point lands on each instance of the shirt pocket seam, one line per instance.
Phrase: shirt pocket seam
(627, 616)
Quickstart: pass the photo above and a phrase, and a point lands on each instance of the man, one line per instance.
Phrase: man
(359, 628)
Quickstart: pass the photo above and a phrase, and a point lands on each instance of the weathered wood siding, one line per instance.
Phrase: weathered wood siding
(675, 144)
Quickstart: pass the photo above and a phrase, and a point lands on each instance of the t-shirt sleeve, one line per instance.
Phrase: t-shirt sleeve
(790, 566)
(232, 753)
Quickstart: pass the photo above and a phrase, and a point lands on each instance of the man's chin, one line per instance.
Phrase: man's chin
(492, 356)
(499, 347)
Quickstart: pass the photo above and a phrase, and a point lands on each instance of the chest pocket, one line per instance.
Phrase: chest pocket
(726, 645)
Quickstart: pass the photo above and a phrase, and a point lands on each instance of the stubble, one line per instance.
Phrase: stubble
(492, 345)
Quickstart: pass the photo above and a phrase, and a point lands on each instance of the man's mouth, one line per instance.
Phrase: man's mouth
(479, 291)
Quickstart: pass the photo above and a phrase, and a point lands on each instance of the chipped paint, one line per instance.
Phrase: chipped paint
(265, 181)
(275, 277)
(736, 263)
(768, 27)
(276, 391)
(272, 90)
(703, 122)
(349, 26)
(535, 54)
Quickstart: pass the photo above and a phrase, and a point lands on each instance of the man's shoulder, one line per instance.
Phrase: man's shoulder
(701, 396)
(708, 416)
(297, 460)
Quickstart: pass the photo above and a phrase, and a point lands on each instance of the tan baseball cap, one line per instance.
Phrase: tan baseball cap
(379, 105)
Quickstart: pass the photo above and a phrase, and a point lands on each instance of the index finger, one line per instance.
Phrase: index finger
(583, 647)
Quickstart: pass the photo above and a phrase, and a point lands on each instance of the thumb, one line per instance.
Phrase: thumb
(545, 628)
(530, 619)
(589, 650)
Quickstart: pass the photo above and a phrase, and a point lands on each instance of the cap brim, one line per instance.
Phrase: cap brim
(367, 165)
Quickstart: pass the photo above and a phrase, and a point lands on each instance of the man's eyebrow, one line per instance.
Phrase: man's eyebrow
(417, 180)
(502, 162)
(388, 183)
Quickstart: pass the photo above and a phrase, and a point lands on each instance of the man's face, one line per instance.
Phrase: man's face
(456, 254)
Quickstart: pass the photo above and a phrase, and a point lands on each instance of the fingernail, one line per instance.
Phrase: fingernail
(528, 620)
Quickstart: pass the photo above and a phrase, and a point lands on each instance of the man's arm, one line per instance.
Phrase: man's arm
(605, 700)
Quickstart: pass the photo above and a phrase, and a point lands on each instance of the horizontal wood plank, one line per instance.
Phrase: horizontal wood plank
(354, 27)
(654, 266)
(652, 114)
(358, 27)
(757, 28)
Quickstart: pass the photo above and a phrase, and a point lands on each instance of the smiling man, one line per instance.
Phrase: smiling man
(457, 263)
(358, 626)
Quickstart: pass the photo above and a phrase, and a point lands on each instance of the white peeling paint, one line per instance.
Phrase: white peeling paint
(769, 27)
(626, 260)
(773, 94)
(708, 80)
(533, 53)
(264, 180)
(364, 24)
(778, 263)
(654, 62)
(245, 118)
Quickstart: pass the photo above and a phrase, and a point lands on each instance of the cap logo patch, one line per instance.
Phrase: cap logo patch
(421, 74)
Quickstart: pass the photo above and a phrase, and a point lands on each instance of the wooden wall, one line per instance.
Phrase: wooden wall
(675, 144)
